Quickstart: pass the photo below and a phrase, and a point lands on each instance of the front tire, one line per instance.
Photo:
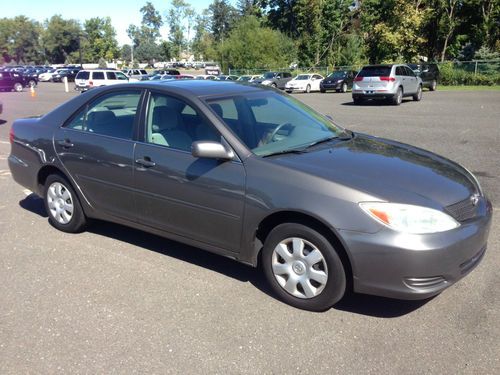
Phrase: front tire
(308, 89)
(32, 83)
(344, 88)
(303, 268)
(62, 205)
(18, 87)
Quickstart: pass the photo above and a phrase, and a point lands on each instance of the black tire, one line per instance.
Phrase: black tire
(418, 95)
(335, 286)
(357, 101)
(322, 91)
(31, 83)
(433, 85)
(308, 89)
(77, 221)
(18, 87)
(273, 85)
(398, 97)
(344, 88)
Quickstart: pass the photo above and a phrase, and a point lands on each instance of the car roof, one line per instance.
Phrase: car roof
(200, 88)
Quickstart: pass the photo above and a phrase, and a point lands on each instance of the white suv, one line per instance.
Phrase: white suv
(87, 79)
(140, 74)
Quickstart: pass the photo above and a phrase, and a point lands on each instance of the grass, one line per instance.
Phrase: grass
(468, 88)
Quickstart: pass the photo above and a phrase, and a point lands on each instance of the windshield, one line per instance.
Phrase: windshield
(244, 78)
(269, 75)
(336, 75)
(268, 122)
(302, 77)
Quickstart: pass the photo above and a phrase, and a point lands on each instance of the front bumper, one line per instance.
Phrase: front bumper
(331, 86)
(295, 89)
(408, 266)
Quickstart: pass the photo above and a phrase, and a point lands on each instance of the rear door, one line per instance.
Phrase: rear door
(96, 146)
(98, 79)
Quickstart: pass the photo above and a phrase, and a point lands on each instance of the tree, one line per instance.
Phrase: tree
(223, 17)
(99, 40)
(175, 17)
(244, 48)
(203, 44)
(148, 32)
(60, 38)
(20, 40)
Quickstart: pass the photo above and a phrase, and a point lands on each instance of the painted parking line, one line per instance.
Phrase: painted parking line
(27, 192)
(5, 142)
(4, 172)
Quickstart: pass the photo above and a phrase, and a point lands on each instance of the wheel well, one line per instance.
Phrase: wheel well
(44, 173)
(272, 221)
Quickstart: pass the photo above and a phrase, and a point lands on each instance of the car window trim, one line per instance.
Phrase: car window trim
(135, 125)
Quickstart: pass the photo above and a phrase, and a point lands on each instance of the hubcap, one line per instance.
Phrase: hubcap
(60, 203)
(299, 267)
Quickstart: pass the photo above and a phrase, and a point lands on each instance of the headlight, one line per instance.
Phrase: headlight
(408, 218)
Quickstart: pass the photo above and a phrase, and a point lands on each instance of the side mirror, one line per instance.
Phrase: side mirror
(211, 150)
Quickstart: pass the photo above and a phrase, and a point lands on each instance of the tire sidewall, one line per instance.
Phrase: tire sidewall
(308, 89)
(336, 284)
(344, 87)
(78, 220)
(18, 87)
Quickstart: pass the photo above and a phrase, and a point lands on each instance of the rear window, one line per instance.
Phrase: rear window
(375, 71)
(82, 75)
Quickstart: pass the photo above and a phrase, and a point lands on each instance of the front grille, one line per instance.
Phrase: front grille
(463, 210)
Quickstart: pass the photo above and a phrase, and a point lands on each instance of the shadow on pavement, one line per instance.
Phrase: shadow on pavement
(2, 122)
(355, 303)
(34, 204)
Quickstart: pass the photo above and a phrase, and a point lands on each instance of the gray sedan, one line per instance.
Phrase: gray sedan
(255, 175)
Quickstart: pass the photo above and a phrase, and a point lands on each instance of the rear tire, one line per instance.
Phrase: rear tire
(357, 101)
(303, 268)
(32, 83)
(398, 97)
(62, 205)
(18, 87)
(308, 89)
(433, 86)
(344, 88)
(418, 95)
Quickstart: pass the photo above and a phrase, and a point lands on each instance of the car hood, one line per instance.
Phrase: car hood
(387, 170)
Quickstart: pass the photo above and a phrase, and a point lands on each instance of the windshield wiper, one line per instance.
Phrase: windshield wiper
(347, 135)
(288, 151)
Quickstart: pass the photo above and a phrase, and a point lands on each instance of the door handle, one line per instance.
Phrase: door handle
(146, 162)
(65, 144)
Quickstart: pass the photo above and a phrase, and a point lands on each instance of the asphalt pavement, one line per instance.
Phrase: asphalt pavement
(116, 300)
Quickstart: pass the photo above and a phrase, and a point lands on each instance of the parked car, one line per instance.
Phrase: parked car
(88, 79)
(12, 81)
(251, 78)
(259, 177)
(340, 81)
(47, 76)
(275, 79)
(206, 76)
(139, 74)
(30, 77)
(429, 73)
(389, 82)
(70, 74)
(224, 77)
(162, 77)
(304, 83)
(184, 76)
(172, 72)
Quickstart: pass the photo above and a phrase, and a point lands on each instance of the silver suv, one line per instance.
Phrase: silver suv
(389, 82)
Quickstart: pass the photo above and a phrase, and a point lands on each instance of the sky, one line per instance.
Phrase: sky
(122, 13)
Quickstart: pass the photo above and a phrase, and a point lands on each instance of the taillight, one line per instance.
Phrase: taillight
(357, 79)
(388, 79)
(11, 135)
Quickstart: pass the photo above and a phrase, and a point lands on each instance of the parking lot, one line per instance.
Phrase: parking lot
(116, 300)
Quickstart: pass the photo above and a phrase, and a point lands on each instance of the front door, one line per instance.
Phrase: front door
(96, 147)
(201, 199)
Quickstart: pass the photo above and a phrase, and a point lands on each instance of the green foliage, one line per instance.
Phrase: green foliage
(99, 40)
(451, 75)
(60, 38)
(245, 49)
(223, 17)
